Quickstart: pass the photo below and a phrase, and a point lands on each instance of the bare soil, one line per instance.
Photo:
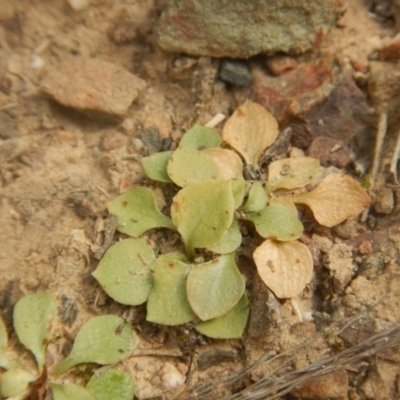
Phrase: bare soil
(59, 168)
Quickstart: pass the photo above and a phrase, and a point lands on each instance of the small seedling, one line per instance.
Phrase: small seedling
(102, 340)
(204, 285)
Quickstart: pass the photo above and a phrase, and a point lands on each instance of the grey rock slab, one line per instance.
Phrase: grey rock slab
(92, 86)
(242, 29)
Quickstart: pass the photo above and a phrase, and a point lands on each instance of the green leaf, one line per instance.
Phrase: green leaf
(111, 384)
(32, 317)
(137, 212)
(155, 166)
(250, 130)
(229, 242)
(106, 339)
(69, 391)
(291, 173)
(229, 326)
(14, 382)
(238, 189)
(257, 198)
(214, 287)
(278, 220)
(198, 137)
(285, 267)
(202, 213)
(167, 303)
(124, 271)
(188, 166)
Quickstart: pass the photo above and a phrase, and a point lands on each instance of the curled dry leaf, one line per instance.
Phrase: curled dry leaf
(285, 267)
(291, 173)
(250, 130)
(335, 199)
(229, 163)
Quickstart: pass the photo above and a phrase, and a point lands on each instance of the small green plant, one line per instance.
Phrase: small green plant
(102, 340)
(204, 285)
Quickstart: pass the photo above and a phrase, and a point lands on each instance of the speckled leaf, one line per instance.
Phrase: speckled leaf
(229, 163)
(250, 130)
(198, 137)
(137, 212)
(229, 326)
(291, 173)
(69, 391)
(14, 383)
(32, 317)
(167, 303)
(277, 220)
(202, 213)
(124, 271)
(229, 242)
(214, 287)
(111, 384)
(285, 267)
(155, 166)
(335, 199)
(257, 198)
(189, 166)
(106, 339)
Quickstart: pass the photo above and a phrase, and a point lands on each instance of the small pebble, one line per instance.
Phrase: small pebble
(78, 5)
(138, 143)
(112, 140)
(279, 65)
(384, 203)
(236, 73)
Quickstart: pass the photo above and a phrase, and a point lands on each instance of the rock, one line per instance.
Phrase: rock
(78, 5)
(112, 139)
(332, 386)
(391, 51)
(152, 140)
(92, 86)
(330, 152)
(384, 203)
(295, 92)
(340, 264)
(279, 65)
(236, 73)
(243, 29)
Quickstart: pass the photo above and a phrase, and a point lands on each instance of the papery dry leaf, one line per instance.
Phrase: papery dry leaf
(335, 199)
(250, 130)
(229, 163)
(291, 173)
(285, 267)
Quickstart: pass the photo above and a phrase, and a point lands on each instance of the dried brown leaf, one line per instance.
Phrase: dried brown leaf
(285, 267)
(335, 199)
(250, 130)
(291, 173)
(229, 163)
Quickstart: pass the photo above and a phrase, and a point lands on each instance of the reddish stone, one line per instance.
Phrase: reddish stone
(91, 85)
(390, 52)
(330, 152)
(280, 65)
(113, 140)
(331, 386)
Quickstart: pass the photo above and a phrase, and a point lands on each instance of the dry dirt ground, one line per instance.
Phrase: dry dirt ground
(59, 169)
